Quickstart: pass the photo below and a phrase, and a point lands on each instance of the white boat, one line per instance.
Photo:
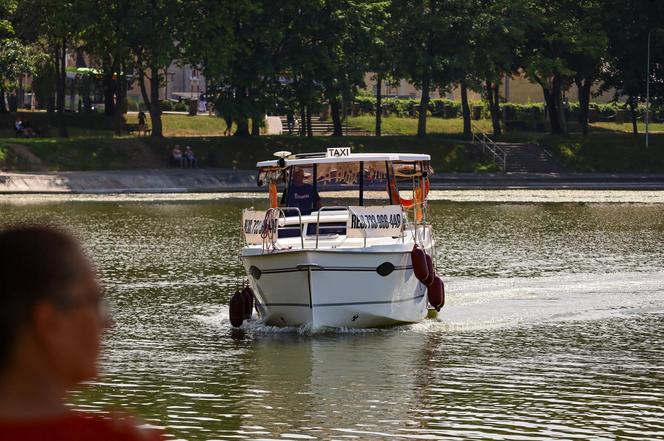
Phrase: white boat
(336, 251)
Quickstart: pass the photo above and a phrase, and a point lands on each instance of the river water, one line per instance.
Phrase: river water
(553, 328)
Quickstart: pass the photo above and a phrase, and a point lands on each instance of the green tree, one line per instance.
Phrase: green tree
(563, 42)
(152, 32)
(345, 35)
(54, 27)
(242, 53)
(16, 57)
(496, 35)
(105, 38)
(628, 23)
(379, 51)
(425, 41)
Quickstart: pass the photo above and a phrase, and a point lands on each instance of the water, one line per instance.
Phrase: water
(553, 328)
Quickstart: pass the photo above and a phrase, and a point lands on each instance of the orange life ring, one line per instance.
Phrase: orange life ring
(407, 203)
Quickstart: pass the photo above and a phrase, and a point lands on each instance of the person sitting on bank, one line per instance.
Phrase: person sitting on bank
(142, 124)
(18, 126)
(23, 128)
(190, 158)
(177, 156)
(52, 317)
(301, 195)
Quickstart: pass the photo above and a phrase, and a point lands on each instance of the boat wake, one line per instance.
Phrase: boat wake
(479, 304)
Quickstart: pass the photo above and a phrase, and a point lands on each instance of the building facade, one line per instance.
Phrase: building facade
(514, 89)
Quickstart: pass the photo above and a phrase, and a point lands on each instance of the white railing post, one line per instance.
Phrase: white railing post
(498, 155)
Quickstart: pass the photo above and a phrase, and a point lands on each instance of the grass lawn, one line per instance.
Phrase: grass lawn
(107, 153)
(81, 125)
(93, 146)
(185, 125)
(608, 152)
(626, 127)
(392, 125)
(438, 126)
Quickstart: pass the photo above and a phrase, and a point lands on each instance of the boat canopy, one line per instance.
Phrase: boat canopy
(320, 158)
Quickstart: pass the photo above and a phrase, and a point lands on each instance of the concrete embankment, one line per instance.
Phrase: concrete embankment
(225, 180)
(129, 181)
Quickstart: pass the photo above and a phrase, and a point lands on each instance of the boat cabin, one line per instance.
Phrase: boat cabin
(313, 194)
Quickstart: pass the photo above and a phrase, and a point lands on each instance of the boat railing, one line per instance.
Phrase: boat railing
(320, 210)
(282, 212)
(283, 217)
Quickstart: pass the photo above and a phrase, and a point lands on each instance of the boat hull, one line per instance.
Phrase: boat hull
(336, 288)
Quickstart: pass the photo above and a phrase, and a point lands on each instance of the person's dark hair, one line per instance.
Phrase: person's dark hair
(36, 263)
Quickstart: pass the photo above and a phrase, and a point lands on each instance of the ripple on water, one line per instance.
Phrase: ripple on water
(553, 328)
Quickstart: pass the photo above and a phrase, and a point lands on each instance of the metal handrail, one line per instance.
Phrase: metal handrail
(282, 212)
(331, 208)
(338, 208)
(487, 143)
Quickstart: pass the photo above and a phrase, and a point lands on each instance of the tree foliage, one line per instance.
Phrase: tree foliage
(304, 56)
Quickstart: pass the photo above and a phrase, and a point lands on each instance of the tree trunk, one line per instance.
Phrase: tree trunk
(241, 118)
(3, 106)
(554, 102)
(109, 93)
(583, 86)
(144, 92)
(256, 126)
(557, 90)
(121, 105)
(310, 131)
(424, 105)
(155, 107)
(633, 110)
(379, 104)
(303, 120)
(242, 129)
(336, 117)
(552, 108)
(87, 99)
(61, 51)
(465, 108)
(20, 93)
(493, 97)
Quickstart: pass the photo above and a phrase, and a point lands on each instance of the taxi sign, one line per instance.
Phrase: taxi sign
(338, 152)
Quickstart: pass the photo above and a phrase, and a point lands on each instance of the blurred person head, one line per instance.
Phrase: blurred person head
(51, 315)
(298, 177)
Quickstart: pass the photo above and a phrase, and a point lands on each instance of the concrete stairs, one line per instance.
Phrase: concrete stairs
(529, 158)
(516, 157)
(322, 128)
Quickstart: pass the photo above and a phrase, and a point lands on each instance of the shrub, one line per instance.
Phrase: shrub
(366, 104)
(180, 106)
(166, 105)
(445, 108)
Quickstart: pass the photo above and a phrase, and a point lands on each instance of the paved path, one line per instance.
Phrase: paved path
(552, 181)
(224, 180)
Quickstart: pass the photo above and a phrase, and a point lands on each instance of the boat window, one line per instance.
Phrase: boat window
(376, 182)
(327, 229)
(343, 184)
(289, 231)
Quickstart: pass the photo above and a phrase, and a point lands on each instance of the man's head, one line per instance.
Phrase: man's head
(298, 177)
(50, 304)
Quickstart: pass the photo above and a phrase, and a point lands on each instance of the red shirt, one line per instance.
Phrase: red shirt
(77, 427)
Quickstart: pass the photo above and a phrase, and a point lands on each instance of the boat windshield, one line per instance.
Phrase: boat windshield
(312, 186)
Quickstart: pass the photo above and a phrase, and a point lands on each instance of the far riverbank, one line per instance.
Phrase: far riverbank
(214, 180)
